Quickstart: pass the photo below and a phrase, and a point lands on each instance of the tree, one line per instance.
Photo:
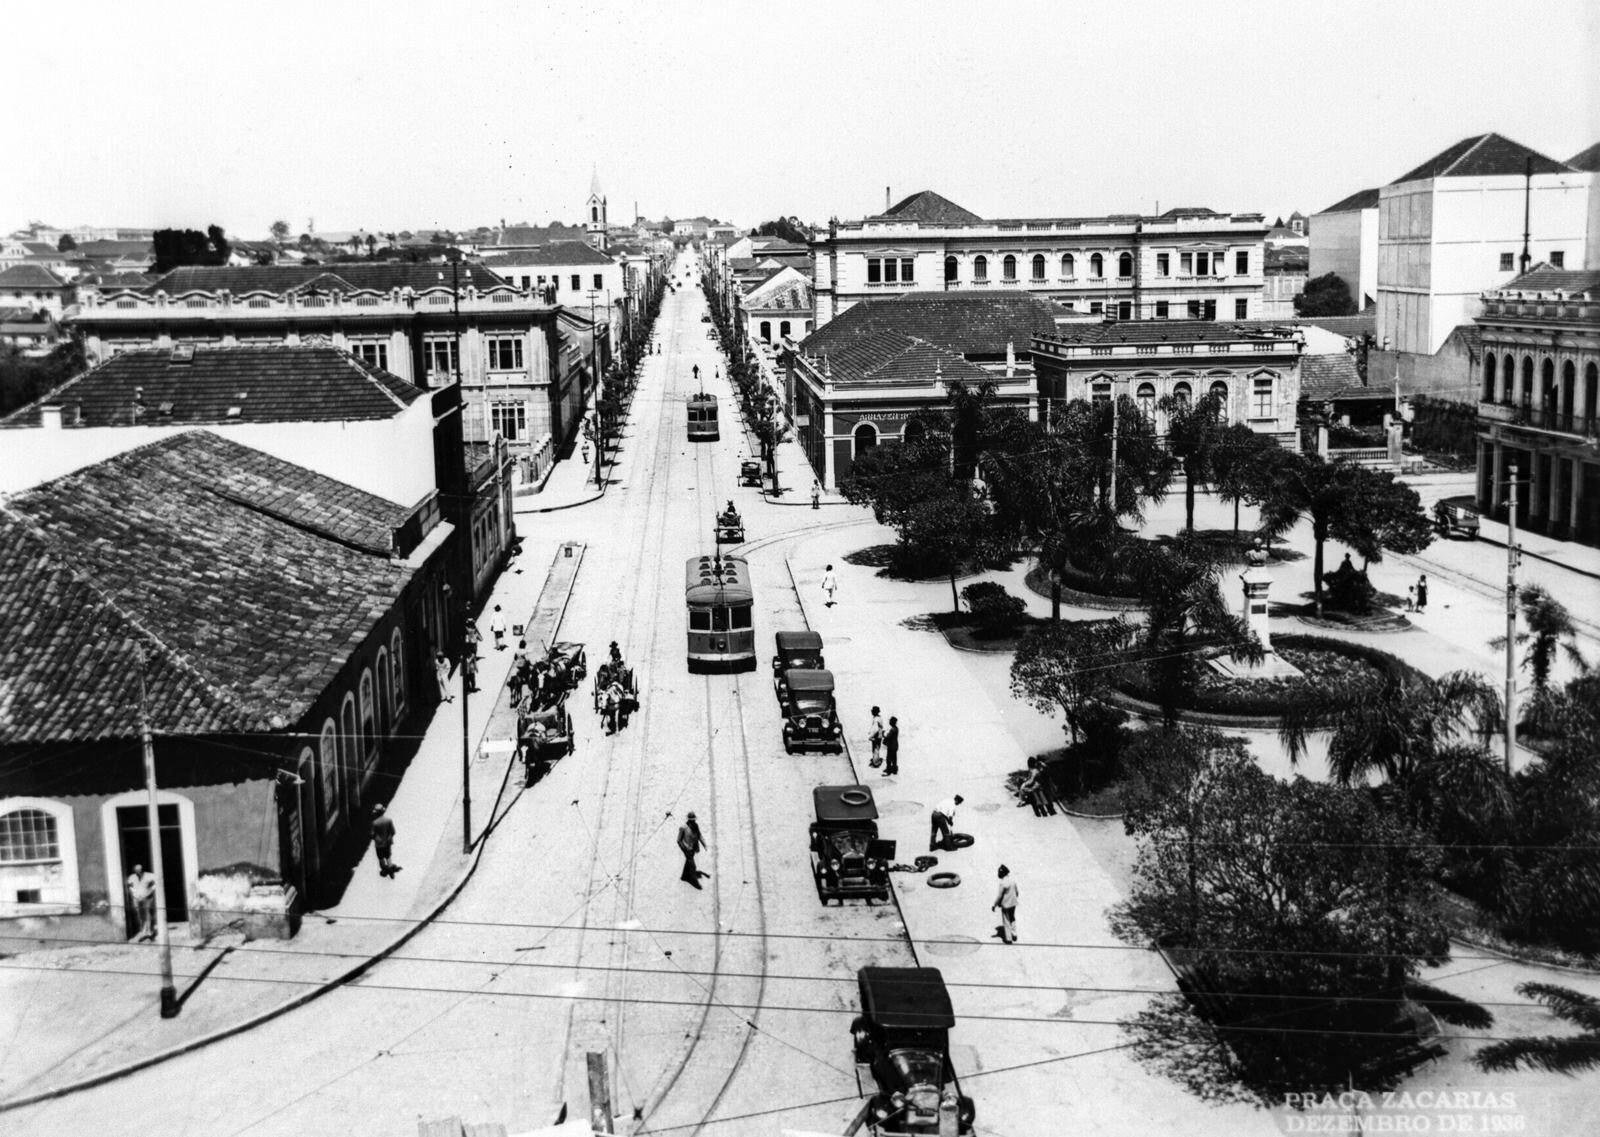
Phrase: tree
(1548, 632)
(894, 479)
(66, 244)
(24, 379)
(945, 534)
(786, 228)
(1070, 667)
(1366, 509)
(1144, 468)
(280, 231)
(1560, 1054)
(175, 247)
(1326, 295)
(372, 244)
(1242, 466)
(1195, 433)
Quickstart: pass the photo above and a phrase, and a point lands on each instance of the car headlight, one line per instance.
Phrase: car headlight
(834, 864)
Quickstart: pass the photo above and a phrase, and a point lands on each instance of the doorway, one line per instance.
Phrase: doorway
(133, 842)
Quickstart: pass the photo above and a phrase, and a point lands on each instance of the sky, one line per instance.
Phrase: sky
(448, 113)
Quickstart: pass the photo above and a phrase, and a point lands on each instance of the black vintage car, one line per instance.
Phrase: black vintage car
(795, 649)
(848, 858)
(811, 720)
(902, 1041)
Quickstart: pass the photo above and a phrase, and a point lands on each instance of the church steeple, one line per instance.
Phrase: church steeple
(594, 212)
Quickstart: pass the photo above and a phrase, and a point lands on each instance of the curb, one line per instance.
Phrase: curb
(340, 980)
(1527, 552)
(1146, 710)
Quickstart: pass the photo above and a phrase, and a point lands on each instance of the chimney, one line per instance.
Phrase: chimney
(1011, 360)
(50, 416)
(886, 199)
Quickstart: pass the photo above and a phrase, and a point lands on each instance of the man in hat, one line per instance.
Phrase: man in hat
(1006, 902)
(690, 842)
(383, 840)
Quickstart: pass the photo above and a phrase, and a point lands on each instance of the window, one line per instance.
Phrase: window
(1008, 267)
(1097, 265)
(1219, 391)
(1125, 310)
(950, 270)
(28, 835)
(699, 619)
(719, 619)
(439, 356)
(1096, 308)
(349, 749)
(505, 353)
(1241, 309)
(1038, 266)
(1489, 363)
(1558, 259)
(866, 437)
(397, 681)
(577, 280)
(374, 352)
(874, 270)
(1181, 393)
(1186, 264)
(329, 758)
(369, 718)
(980, 269)
(1202, 309)
(891, 270)
(1163, 264)
(783, 329)
(739, 618)
(766, 331)
(1146, 398)
(1507, 261)
(1125, 265)
(1202, 264)
(907, 275)
(1069, 266)
(1100, 392)
(1161, 309)
(510, 420)
(1241, 262)
(1261, 399)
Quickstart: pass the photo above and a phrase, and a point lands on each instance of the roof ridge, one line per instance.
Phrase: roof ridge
(369, 372)
(1465, 154)
(294, 522)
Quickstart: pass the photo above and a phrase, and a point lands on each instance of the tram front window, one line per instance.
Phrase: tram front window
(719, 619)
(741, 617)
(699, 620)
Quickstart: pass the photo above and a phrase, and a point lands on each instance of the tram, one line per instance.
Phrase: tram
(720, 600)
(703, 418)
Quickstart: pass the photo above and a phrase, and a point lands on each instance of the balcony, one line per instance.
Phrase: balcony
(1541, 419)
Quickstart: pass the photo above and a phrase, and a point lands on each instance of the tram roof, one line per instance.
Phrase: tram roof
(702, 587)
(702, 397)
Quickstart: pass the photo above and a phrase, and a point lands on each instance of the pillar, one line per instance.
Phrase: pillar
(1576, 496)
(1497, 486)
(1256, 581)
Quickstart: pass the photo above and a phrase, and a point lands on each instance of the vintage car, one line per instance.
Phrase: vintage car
(750, 473)
(1452, 518)
(848, 859)
(902, 1043)
(730, 527)
(811, 720)
(795, 649)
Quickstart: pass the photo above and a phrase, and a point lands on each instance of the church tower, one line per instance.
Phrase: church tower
(594, 213)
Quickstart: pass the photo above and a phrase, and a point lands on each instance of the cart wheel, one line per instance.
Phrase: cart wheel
(944, 880)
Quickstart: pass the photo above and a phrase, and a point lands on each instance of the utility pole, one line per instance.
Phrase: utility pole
(1513, 555)
(466, 741)
(169, 992)
(1116, 425)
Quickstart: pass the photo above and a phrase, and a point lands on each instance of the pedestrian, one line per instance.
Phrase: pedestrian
(474, 637)
(1411, 598)
(830, 585)
(469, 669)
(585, 455)
(944, 820)
(690, 842)
(497, 626)
(816, 495)
(383, 841)
(875, 736)
(142, 895)
(891, 748)
(1422, 593)
(1006, 902)
(441, 668)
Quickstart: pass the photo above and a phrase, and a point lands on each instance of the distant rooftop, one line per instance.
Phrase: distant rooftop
(887, 356)
(1361, 199)
(972, 324)
(1586, 159)
(1170, 331)
(1542, 278)
(556, 253)
(375, 276)
(930, 207)
(1483, 155)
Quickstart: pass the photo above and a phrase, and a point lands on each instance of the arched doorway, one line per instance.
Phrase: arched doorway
(866, 437)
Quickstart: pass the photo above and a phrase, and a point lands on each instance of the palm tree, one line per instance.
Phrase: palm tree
(1560, 1054)
(1549, 632)
(1195, 434)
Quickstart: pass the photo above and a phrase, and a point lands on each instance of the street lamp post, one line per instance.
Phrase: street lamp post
(467, 645)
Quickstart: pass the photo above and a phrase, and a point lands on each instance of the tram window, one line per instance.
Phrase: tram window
(741, 617)
(699, 620)
(719, 619)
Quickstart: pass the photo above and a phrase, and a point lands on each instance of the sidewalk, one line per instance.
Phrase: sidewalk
(89, 1014)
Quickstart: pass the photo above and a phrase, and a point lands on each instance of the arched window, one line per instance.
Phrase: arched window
(1591, 389)
(1182, 393)
(385, 694)
(950, 270)
(1097, 265)
(328, 755)
(808, 327)
(1038, 266)
(783, 329)
(397, 671)
(369, 718)
(980, 268)
(1525, 396)
(866, 436)
(38, 858)
(912, 431)
(1488, 377)
(1219, 389)
(766, 331)
(1547, 385)
(1125, 265)
(349, 748)
(594, 213)
(1508, 380)
(1100, 391)
(1069, 266)
(1569, 387)
(1146, 398)
(1008, 267)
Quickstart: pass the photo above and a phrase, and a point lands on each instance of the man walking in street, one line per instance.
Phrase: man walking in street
(875, 736)
(497, 626)
(441, 668)
(891, 748)
(944, 820)
(383, 841)
(830, 585)
(1006, 902)
(690, 842)
(142, 895)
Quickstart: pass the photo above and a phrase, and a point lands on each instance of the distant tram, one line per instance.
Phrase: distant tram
(720, 599)
(703, 418)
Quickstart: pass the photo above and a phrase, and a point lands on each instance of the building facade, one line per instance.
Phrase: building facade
(1539, 401)
(1184, 263)
(1344, 241)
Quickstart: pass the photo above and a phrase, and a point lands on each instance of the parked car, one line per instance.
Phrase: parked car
(1452, 518)
(795, 649)
(902, 1041)
(848, 858)
(812, 720)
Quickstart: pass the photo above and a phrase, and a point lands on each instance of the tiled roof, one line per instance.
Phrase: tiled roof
(1288, 259)
(1361, 199)
(42, 248)
(537, 234)
(1190, 211)
(253, 581)
(115, 248)
(973, 324)
(559, 253)
(930, 207)
(278, 383)
(777, 247)
(1483, 155)
(1542, 278)
(1170, 331)
(1342, 325)
(29, 276)
(889, 357)
(1324, 376)
(377, 276)
(1586, 159)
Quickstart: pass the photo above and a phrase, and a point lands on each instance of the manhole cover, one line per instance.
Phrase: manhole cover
(887, 808)
(986, 807)
(951, 945)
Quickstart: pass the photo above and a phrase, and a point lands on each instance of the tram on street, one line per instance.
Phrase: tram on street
(703, 418)
(721, 602)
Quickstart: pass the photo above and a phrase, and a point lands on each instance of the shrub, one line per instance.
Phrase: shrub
(1349, 590)
(992, 606)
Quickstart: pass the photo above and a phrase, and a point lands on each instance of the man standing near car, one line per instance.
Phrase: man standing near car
(891, 748)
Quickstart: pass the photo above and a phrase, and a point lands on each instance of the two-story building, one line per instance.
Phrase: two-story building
(1186, 263)
(34, 287)
(1539, 401)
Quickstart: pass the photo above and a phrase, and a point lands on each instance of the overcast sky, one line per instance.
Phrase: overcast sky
(405, 115)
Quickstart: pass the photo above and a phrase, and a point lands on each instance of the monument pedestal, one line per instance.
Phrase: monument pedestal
(1257, 581)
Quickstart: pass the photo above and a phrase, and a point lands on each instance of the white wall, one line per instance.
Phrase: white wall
(1346, 244)
(391, 458)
